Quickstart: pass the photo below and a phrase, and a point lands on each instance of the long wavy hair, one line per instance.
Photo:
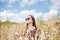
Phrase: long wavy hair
(34, 24)
(33, 19)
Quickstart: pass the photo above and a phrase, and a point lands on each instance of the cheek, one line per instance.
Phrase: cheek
(30, 21)
(26, 21)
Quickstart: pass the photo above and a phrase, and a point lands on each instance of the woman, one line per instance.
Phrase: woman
(31, 29)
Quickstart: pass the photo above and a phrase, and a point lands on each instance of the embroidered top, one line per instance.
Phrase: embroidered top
(31, 32)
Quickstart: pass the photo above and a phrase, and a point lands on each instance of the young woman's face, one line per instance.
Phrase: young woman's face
(29, 20)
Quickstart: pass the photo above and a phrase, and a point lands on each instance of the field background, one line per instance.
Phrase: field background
(50, 28)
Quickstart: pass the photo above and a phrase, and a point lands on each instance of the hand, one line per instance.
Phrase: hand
(17, 34)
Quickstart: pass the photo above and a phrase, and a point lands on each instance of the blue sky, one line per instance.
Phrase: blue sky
(40, 6)
(17, 8)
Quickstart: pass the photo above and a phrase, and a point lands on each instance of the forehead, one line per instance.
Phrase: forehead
(28, 16)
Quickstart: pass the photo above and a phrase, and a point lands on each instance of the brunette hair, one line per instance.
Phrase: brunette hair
(34, 24)
(33, 19)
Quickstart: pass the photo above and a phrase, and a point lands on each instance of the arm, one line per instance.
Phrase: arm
(17, 34)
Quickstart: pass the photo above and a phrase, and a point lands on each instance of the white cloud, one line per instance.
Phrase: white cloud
(27, 12)
(52, 14)
(9, 1)
(29, 2)
(3, 16)
(56, 4)
(15, 17)
(21, 2)
(7, 15)
(2, 0)
(19, 17)
(12, 1)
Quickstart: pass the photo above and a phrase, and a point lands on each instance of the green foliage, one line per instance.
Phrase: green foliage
(6, 22)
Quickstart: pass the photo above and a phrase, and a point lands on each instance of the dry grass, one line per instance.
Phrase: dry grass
(50, 30)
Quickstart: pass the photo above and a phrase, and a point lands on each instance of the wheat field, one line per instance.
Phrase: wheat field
(50, 30)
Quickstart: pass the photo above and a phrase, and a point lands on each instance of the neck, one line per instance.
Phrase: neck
(30, 24)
